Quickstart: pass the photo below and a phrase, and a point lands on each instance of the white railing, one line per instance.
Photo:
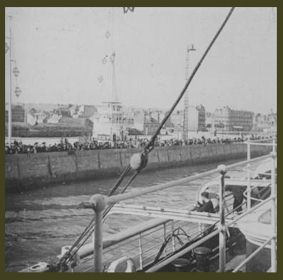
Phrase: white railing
(100, 202)
(253, 254)
(255, 143)
(271, 240)
(207, 237)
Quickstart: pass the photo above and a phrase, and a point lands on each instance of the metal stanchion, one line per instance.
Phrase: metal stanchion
(98, 204)
(249, 174)
(273, 213)
(140, 251)
(222, 233)
(273, 146)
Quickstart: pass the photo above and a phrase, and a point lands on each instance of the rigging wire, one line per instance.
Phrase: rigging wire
(87, 233)
(153, 138)
(196, 237)
(90, 227)
(147, 149)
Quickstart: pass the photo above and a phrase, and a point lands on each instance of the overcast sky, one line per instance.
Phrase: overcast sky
(60, 51)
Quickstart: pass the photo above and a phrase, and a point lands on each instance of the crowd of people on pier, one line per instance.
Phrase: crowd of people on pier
(17, 147)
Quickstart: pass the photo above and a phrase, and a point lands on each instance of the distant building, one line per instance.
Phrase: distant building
(18, 114)
(66, 127)
(177, 121)
(264, 122)
(108, 120)
(156, 114)
(150, 124)
(138, 117)
(128, 120)
(65, 110)
(31, 119)
(177, 118)
(54, 118)
(77, 111)
(227, 119)
(41, 117)
(19, 120)
(35, 117)
(88, 111)
(72, 109)
(196, 121)
(209, 120)
(196, 118)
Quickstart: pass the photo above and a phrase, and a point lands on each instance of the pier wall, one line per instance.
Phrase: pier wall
(24, 171)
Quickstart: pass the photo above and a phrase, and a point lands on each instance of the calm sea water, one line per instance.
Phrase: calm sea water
(40, 222)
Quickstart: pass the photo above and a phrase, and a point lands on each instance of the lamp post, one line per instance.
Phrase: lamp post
(186, 97)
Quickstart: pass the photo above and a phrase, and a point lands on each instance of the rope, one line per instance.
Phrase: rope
(195, 238)
(88, 231)
(147, 149)
(120, 179)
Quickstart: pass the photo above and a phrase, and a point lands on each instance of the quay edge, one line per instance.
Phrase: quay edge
(24, 172)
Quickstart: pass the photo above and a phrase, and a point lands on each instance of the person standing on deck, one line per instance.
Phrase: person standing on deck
(238, 194)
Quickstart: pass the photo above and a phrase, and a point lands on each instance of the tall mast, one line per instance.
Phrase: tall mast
(114, 88)
(11, 86)
(186, 97)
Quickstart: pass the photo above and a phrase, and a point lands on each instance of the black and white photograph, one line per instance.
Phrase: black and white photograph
(140, 139)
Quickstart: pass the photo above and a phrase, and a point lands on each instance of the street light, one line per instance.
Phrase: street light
(18, 91)
(16, 71)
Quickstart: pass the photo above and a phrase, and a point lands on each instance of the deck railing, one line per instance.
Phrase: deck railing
(273, 239)
(99, 203)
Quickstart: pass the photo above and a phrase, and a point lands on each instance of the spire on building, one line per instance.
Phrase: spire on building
(114, 97)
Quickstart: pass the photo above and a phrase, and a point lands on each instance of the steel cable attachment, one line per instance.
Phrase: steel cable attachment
(147, 149)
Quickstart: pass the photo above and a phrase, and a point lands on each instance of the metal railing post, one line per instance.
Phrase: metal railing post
(252, 255)
(273, 146)
(164, 231)
(140, 252)
(249, 174)
(98, 203)
(222, 232)
(273, 213)
(173, 239)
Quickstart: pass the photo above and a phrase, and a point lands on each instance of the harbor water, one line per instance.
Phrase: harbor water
(39, 222)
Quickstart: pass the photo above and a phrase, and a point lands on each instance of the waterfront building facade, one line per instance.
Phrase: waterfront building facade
(227, 119)
(265, 122)
(196, 117)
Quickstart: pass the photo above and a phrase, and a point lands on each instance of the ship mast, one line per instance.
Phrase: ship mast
(12, 70)
(114, 96)
(114, 88)
(186, 98)
(11, 86)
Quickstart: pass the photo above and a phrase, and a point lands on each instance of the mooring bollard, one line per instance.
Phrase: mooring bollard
(222, 233)
(202, 258)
